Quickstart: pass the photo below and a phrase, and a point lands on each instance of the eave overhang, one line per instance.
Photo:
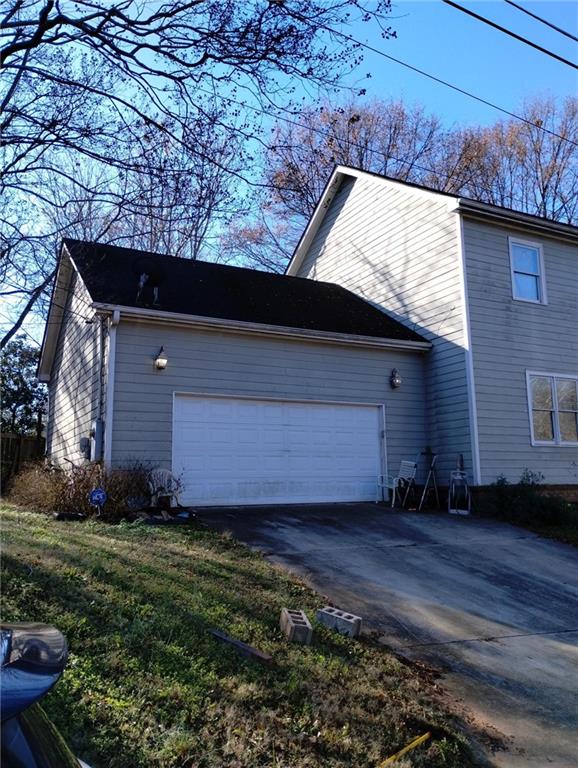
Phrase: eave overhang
(259, 329)
(55, 315)
(316, 219)
(510, 218)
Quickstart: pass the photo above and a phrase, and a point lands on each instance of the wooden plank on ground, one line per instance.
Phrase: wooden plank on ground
(243, 648)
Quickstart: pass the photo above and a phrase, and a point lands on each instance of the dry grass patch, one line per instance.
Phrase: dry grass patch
(49, 489)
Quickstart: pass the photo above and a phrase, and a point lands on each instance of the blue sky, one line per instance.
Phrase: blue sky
(469, 54)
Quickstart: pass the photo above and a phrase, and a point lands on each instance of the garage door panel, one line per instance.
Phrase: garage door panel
(244, 451)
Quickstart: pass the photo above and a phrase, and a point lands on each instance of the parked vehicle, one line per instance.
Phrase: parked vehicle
(32, 659)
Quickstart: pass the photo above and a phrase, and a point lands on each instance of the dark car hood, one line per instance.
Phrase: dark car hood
(32, 658)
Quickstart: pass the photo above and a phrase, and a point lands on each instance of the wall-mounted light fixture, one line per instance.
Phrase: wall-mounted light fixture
(161, 360)
(395, 379)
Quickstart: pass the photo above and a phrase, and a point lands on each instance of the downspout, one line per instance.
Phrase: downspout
(101, 369)
(96, 433)
(111, 363)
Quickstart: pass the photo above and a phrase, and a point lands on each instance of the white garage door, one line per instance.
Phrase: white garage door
(245, 451)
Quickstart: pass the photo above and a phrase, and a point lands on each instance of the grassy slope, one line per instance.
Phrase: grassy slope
(147, 685)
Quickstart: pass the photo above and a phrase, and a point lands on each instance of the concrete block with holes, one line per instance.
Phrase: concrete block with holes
(296, 626)
(345, 623)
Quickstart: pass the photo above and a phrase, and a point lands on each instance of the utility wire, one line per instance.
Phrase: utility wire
(544, 21)
(510, 33)
(460, 178)
(425, 74)
(67, 311)
(449, 85)
(21, 330)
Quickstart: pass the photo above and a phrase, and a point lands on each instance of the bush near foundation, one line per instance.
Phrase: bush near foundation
(527, 501)
(49, 489)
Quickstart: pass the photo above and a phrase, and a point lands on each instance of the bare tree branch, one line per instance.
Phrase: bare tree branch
(93, 90)
(34, 296)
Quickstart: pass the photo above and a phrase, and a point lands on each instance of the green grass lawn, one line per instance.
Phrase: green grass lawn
(147, 685)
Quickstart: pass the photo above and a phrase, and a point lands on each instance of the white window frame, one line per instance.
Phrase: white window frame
(541, 272)
(557, 442)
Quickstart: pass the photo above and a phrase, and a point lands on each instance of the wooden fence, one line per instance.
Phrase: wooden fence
(16, 450)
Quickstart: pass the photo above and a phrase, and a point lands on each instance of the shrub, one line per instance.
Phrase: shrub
(526, 501)
(49, 489)
(34, 487)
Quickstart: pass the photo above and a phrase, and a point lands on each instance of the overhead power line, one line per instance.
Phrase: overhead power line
(449, 177)
(510, 33)
(543, 21)
(450, 85)
(21, 330)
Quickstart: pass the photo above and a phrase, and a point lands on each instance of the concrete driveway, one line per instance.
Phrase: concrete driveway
(493, 607)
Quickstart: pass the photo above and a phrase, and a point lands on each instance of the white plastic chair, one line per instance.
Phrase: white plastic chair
(400, 484)
(162, 482)
(459, 499)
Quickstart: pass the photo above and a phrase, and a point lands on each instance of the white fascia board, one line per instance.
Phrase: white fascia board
(339, 173)
(260, 329)
(55, 316)
(474, 207)
(523, 221)
(316, 220)
(56, 312)
(408, 186)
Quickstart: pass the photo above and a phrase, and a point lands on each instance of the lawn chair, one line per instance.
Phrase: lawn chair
(162, 482)
(401, 484)
(459, 499)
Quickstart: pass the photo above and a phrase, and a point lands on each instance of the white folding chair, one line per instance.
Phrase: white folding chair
(162, 482)
(401, 484)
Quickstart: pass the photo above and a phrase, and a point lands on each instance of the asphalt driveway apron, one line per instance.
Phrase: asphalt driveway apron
(493, 607)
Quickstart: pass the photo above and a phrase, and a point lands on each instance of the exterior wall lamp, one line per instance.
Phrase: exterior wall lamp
(395, 379)
(161, 360)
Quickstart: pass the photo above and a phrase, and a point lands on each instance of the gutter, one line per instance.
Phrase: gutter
(527, 221)
(261, 329)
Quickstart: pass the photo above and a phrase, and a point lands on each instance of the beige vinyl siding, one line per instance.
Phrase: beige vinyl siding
(73, 386)
(398, 248)
(510, 337)
(214, 362)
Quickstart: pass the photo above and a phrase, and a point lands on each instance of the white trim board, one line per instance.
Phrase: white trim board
(58, 302)
(237, 326)
(541, 275)
(339, 174)
(469, 355)
(466, 206)
(557, 442)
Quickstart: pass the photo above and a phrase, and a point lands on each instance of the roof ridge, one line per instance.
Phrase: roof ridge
(135, 252)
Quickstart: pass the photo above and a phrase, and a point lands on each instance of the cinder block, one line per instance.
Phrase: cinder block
(296, 626)
(345, 623)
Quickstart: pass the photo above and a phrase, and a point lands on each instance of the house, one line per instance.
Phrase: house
(252, 387)
(407, 318)
(496, 294)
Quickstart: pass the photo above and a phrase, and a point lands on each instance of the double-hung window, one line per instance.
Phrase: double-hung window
(527, 267)
(553, 405)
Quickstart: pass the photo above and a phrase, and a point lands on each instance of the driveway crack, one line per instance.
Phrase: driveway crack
(492, 638)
